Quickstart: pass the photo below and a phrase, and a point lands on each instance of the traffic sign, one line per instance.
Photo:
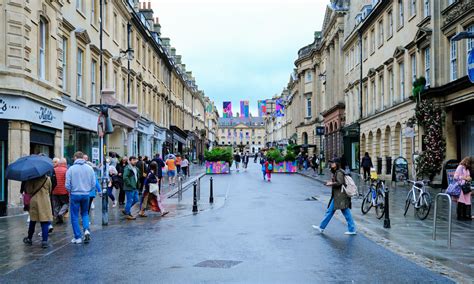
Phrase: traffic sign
(470, 65)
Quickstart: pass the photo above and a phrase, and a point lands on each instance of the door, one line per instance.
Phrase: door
(467, 137)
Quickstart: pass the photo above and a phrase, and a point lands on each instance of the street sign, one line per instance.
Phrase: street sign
(95, 153)
(320, 130)
(409, 132)
(470, 65)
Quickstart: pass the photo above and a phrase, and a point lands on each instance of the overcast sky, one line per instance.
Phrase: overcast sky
(240, 49)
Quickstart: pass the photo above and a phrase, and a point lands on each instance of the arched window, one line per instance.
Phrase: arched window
(43, 26)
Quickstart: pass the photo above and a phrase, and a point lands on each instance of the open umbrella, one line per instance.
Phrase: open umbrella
(29, 167)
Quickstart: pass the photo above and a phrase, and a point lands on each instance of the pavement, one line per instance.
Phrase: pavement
(260, 233)
(410, 236)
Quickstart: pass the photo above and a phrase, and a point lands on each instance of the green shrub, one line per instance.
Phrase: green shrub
(219, 154)
(290, 156)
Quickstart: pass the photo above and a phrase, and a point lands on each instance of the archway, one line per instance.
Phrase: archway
(305, 138)
(370, 144)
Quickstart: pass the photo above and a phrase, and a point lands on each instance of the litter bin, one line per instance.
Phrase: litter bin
(388, 162)
(379, 165)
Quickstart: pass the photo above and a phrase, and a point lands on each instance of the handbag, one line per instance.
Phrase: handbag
(27, 197)
(454, 189)
(466, 187)
(153, 188)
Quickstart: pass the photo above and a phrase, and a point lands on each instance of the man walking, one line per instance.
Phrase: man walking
(161, 165)
(79, 182)
(237, 160)
(130, 186)
(60, 194)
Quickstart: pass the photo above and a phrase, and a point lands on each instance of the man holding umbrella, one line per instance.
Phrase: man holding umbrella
(80, 180)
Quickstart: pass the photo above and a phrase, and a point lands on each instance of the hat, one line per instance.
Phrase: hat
(336, 160)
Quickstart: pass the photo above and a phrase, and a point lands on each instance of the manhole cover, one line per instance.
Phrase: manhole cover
(218, 263)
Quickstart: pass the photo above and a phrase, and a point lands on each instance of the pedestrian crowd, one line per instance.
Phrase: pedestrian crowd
(70, 191)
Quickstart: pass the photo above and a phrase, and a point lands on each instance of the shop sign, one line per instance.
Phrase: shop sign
(20, 108)
(95, 154)
(400, 170)
(80, 116)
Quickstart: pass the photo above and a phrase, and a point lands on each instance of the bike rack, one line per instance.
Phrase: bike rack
(436, 215)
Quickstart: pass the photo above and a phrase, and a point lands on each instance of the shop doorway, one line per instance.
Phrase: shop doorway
(467, 137)
(42, 142)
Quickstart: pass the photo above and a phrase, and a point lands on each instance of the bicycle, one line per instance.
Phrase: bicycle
(375, 197)
(422, 203)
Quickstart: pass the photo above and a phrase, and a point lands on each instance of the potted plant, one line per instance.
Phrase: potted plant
(218, 160)
(283, 162)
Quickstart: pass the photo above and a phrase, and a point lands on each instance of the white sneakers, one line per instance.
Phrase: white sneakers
(92, 205)
(322, 231)
(114, 204)
(87, 236)
(318, 229)
(76, 241)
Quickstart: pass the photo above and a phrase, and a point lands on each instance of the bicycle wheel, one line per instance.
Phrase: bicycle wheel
(425, 206)
(408, 201)
(380, 205)
(367, 202)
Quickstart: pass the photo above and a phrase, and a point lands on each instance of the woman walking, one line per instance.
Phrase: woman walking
(171, 164)
(366, 164)
(185, 166)
(269, 169)
(120, 169)
(237, 160)
(463, 177)
(152, 199)
(39, 190)
(339, 200)
(264, 169)
(114, 182)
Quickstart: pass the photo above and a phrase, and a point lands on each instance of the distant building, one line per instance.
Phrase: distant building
(245, 134)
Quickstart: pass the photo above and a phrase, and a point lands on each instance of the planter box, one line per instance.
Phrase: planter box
(285, 167)
(219, 167)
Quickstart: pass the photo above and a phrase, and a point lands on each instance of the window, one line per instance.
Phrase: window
(366, 92)
(64, 64)
(451, 2)
(381, 32)
(453, 61)
(124, 36)
(346, 65)
(412, 7)
(79, 5)
(382, 99)
(80, 57)
(426, 8)
(93, 80)
(42, 50)
(391, 81)
(105, 73)
(401, 67)
(401, 15)
(139, 51)
(427, 65)
(364, 49)
(390, 24)
(470, 41)
(115, 82)
(93, 12)
(413, 67)
(372, 41)
(308, 107)
(116, 27)
(309, 76)
(373, 94)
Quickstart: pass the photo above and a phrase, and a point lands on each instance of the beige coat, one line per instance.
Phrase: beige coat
(40, 204)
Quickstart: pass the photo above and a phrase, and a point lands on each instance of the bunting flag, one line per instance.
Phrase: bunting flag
(244, 108)
(227, 109)
(279, 108)
(262, 108)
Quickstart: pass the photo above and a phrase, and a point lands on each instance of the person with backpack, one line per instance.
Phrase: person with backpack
(269, 169)
(262, 163)
(340, 200)
(60, 194)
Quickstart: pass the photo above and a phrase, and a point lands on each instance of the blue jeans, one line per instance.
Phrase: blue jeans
(330, 212)
(79, 202)
(44, 230)
(110, 193)
(132, 198)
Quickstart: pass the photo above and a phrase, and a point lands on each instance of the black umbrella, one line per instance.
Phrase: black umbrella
(29, 167)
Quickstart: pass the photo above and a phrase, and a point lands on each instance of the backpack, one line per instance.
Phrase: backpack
(270, 167)
(349, 187)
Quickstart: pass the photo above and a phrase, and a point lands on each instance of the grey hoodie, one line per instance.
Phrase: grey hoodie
(80, 178)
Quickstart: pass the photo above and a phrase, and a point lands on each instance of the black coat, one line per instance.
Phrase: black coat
(366, 162)
(161, 165)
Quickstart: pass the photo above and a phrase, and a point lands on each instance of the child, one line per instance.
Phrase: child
(269, 169)
(262, 162)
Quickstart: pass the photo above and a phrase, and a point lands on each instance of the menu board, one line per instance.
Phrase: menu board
(400, 170)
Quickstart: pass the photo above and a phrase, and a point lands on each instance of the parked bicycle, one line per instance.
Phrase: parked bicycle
(420, 198)
(375, 197)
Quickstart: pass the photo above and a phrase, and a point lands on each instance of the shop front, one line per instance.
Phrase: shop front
(350, 137)
(179, 139)
(27, 127)
(167, 148)
(159, 137)
(123, 140)
(80, 131)
(145, 132)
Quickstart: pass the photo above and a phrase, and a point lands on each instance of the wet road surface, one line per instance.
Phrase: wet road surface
(261, 234)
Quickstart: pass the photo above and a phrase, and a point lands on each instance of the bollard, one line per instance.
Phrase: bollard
(211, 196)
(195, 206)
(180, 189)
(199, 189)
(386, 221)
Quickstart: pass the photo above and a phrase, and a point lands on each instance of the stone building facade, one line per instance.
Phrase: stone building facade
(50, 75)
(244, 134)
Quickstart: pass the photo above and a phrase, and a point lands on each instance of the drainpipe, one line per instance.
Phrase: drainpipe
(360, 87)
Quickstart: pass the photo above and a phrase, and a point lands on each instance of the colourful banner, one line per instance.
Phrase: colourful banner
(279, 108)
(262, 108)
(244, 108)
(227, 112)
(217, 167)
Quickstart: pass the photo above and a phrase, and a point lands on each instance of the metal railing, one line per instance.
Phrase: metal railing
(436, 216)
(182, 188)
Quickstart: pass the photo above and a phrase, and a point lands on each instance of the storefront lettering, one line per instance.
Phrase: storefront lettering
(3, 105)
(45, 115)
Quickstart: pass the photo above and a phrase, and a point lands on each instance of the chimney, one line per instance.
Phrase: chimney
(173, 52)
(178, 59)
(157, 26)
(147, 13)
(183, 68)
(166, 42)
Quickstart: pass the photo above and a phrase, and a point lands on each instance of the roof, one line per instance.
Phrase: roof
(233, 121)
